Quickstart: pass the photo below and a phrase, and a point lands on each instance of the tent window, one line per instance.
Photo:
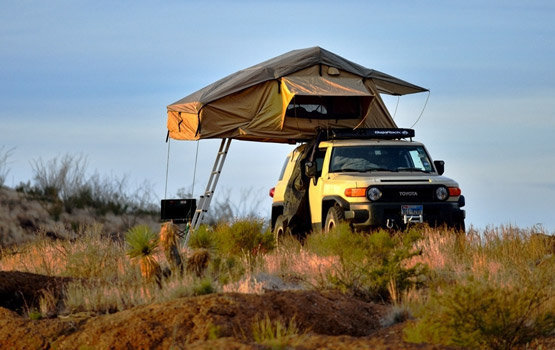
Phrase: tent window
(325, 107)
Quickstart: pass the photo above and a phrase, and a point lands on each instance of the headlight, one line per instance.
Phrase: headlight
(374, 194)
(442, 193)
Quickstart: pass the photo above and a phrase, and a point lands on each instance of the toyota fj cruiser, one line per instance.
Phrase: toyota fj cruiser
(367, 177)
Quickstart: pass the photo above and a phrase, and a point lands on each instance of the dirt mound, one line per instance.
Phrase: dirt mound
(192, 320)
(22, 290)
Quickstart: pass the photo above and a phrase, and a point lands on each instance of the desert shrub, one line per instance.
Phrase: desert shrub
(371, 265)
(477, 314)
(63, 181)
(276, 334)
(5, 155)
(491, 289)
(244, 236)
(93, 256)
(202, 238)
(59, 176)
(203, 287)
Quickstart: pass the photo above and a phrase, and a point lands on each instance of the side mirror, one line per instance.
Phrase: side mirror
(440, 166)
(310, 169)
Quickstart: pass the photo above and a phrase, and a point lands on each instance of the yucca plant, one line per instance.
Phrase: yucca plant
(169, 238)
(141, 246)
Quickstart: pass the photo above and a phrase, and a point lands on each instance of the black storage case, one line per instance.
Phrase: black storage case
(178, 210)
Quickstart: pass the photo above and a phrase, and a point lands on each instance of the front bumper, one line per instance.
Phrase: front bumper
(365, 215)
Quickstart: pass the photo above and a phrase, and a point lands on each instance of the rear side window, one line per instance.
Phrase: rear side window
(283, 168)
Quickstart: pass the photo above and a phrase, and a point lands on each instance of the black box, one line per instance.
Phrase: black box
(178, 210)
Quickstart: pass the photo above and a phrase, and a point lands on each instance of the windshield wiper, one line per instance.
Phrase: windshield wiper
(353, 170)
(350, 170)
(413, 169)
(380, 169)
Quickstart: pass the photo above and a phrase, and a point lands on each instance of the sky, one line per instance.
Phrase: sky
(94, 78)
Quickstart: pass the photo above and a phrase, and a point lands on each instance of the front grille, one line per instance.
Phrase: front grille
(408, 193)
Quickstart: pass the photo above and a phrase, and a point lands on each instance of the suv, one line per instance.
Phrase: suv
(367, 177)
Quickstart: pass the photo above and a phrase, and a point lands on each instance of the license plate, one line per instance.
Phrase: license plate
(412, 210)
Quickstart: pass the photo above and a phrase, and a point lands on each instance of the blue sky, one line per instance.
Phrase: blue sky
(94, 77)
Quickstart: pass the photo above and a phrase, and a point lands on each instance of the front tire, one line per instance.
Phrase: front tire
(335, 216)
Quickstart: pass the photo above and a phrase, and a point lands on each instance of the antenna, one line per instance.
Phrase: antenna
(423, 108)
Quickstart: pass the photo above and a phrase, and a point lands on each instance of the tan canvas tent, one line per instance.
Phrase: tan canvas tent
(286, 98)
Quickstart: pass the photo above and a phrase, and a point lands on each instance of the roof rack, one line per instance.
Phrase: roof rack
(367, 133)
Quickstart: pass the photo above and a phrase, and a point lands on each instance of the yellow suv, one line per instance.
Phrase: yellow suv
(367, 177)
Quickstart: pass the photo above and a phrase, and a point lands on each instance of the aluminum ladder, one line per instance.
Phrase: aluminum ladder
(204, 200)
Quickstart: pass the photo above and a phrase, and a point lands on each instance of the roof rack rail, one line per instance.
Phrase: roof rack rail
(370, 133)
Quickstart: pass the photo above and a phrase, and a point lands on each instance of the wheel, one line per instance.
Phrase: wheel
(335, 217)
(279, 228)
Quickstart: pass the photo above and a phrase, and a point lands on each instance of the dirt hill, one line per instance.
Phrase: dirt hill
(324, 319)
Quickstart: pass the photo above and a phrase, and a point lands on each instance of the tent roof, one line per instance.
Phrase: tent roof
(292, 62)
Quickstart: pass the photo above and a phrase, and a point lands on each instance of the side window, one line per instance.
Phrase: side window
(320, 154)
(283, 168)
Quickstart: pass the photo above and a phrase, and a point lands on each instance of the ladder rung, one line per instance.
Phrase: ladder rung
(215, 172)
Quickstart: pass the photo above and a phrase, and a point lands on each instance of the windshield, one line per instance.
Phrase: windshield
(380, 158)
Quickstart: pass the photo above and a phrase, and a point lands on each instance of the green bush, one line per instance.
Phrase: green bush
(477, 314)
(371, 265)
(203, 287)
(202, 238)
(243, 237)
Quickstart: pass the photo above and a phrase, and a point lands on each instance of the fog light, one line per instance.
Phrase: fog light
(374, 194)
(442, 193)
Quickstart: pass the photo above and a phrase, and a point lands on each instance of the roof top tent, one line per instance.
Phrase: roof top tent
(285, 99)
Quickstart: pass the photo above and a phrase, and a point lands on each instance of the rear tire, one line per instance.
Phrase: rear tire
(280, 228)
(335, 216)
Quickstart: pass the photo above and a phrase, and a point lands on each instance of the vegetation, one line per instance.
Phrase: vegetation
(169, 238)
(64, 183)
(142, 244)
(276, 334)
(371, 265)
(5, 155)
(494, 289)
